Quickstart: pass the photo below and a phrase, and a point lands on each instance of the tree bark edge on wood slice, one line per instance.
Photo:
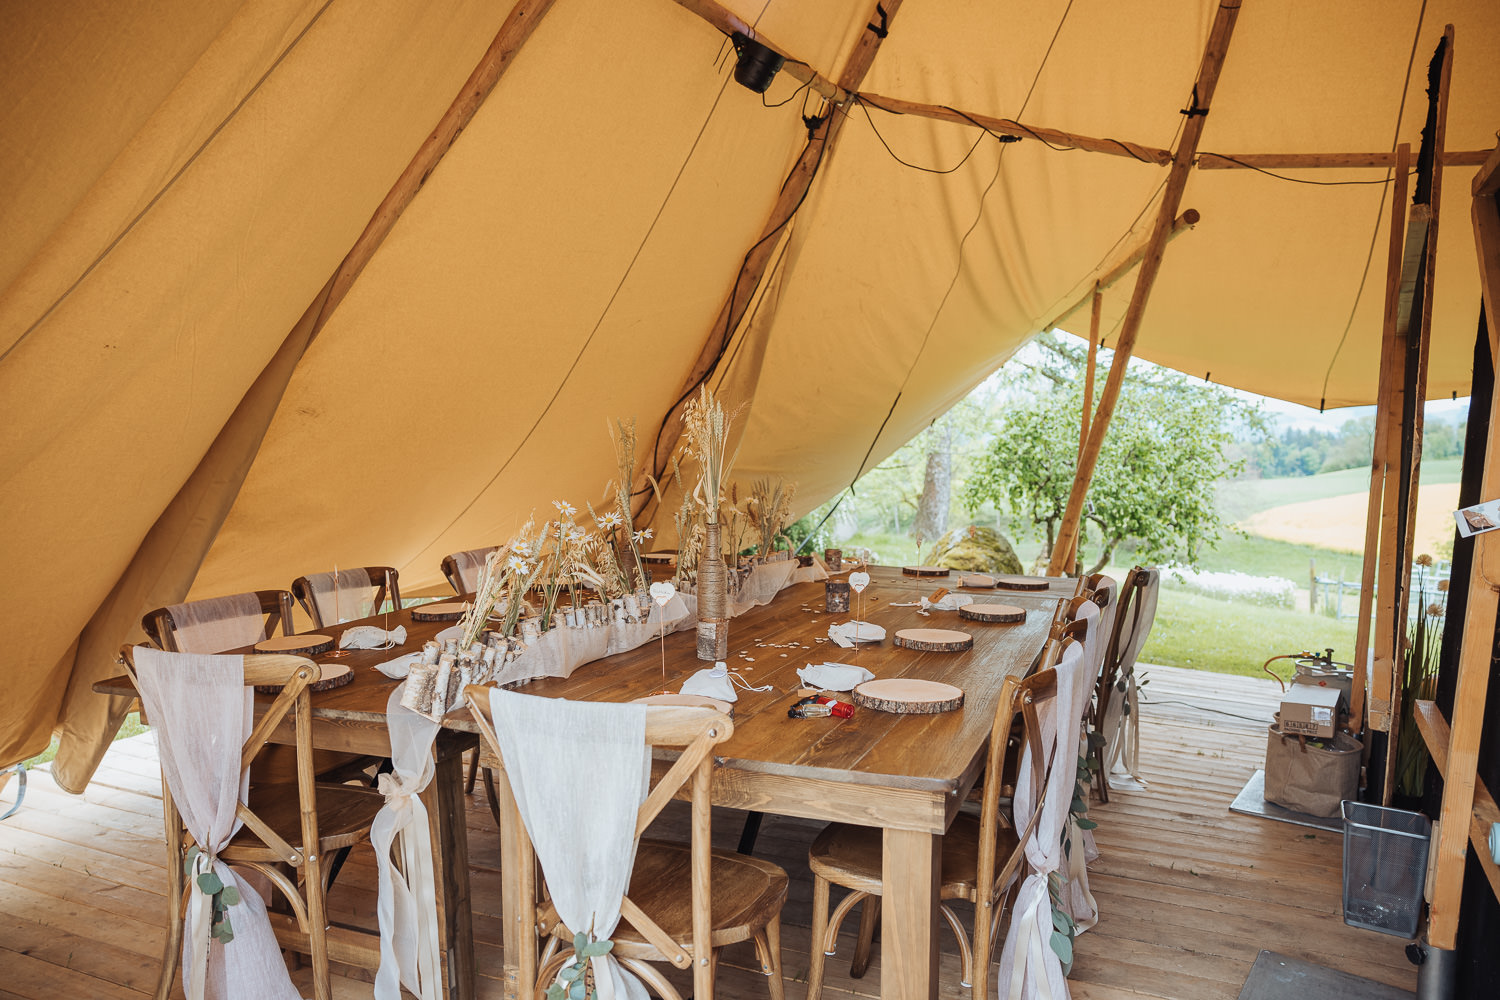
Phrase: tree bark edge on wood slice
(335, 675)
(925, 570)
(1005, 614)
(934, 640)
(1021, 583)
(448, 612)
(908, 696)
(310, 644)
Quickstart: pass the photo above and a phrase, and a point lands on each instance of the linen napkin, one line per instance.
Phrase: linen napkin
(370, 637)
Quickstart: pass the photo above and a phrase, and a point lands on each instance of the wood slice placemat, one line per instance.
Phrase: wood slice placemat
(908, 696)
(925, 570)
(934, 640)
(687, 701)
(977, 581)
(1006, 614)
(307, 645)
(335, 675)
(449, 612)
(1021, 583)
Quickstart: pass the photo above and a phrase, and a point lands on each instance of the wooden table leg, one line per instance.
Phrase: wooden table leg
(517, 896)
(909, 951)
(446, 809)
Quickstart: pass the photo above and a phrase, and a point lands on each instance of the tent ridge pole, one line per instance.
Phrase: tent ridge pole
(1192, 130)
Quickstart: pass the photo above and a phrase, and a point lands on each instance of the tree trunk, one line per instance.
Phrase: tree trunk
(937, 486)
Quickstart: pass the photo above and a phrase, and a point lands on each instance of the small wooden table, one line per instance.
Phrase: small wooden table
(351, 719)
(905, 774)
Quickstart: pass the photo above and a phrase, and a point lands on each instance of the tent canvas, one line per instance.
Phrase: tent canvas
(184, 181)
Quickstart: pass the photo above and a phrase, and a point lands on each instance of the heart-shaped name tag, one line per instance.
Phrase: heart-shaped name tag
(859, 581)
(661, 593)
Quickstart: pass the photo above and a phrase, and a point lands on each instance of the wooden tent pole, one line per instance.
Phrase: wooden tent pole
(1418, 346)
(1088, 392)
(1305, 161)
(1182, 161)
(1008, 126)
(1389, 363)
(793, 190)
(1187, 220)
(1460, 825)
(728, 22)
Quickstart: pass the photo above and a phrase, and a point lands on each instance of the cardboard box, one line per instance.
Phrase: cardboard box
(1307, 710)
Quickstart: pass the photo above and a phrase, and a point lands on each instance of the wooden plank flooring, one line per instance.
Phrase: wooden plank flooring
(1188, 892)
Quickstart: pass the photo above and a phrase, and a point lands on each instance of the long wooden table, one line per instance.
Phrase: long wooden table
(904, 774)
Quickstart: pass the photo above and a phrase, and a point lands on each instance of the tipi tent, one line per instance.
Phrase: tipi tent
(285, 285)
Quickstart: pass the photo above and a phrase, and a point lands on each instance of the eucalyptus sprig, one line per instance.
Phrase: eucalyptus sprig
(572, 982)
(222, 897)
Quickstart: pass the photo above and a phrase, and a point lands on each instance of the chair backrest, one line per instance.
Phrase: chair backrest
(1022, 698)
(292, 674)
(215, 624)
(697, 731)
(1135, 613)
(461, 569)
(355, 592)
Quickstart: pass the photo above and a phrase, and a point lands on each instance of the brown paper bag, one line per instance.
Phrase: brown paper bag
(1308, 778)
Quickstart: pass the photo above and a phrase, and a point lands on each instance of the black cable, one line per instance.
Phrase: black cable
(1203, 708)
(1379, 211)
(916, 166)
(958, 269)
(733, 292)
(789, 100)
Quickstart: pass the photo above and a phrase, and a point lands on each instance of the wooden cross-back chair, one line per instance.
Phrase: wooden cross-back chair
(461, 569)
(725, 899)
(384, 581)
(1128, 620)
(286, 827)
(275, 605)
(982, 855)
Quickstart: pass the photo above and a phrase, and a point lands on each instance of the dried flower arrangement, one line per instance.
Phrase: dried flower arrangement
(706, 426)
(771, 508)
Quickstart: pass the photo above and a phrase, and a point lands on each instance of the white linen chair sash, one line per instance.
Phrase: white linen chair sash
(406, 904)
(1029, 968)
(1078, 900)
(579, 772)
(202, 713)
(1121, 725)
(215, 624)
(343, 596)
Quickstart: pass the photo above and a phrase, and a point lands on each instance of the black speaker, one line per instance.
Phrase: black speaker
(757, 65)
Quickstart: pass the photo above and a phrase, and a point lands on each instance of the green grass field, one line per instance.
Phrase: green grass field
(1205, 634)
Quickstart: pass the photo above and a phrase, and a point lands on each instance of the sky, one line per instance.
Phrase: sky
(1288, 416)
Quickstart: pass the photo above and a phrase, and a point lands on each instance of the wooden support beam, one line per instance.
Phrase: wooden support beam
(1437, 736)
(1390, 358)
(1486, 216)
(1021, 130)
(1414, 414)
(513, 33)
(1187, 220)
(793, 190)
(1305, 161)
(729, 22)
(1400, 292)
(1095, 315)
(1182, 161)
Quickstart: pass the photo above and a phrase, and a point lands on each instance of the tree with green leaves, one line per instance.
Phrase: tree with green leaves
(1167, 447)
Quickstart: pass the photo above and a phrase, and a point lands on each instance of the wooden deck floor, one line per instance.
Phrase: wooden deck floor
(1188, 892)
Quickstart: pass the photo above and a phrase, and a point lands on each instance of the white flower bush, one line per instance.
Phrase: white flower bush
(1263, 591)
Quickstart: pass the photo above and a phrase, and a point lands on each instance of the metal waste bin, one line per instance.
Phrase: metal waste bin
(1385, 868)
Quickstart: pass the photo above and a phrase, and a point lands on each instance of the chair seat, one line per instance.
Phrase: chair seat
(747, 893)
(344, 816)
(850, 856)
